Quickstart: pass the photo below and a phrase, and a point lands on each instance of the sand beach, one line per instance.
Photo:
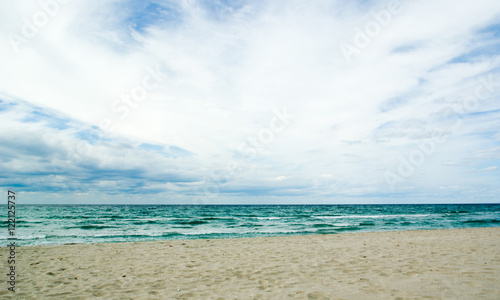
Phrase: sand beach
(430, 264)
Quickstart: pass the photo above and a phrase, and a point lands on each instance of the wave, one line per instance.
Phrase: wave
(366, 224)
(372, 216)
(26, 237)
(117, 235)
(320, 225)
(490, 221)
(90, 227)
(192, 222)
(273, 218)
(82, 224)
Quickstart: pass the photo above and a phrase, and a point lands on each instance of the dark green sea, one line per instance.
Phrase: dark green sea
(61, 224)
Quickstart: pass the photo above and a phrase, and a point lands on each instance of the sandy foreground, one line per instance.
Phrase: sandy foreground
(433, 264)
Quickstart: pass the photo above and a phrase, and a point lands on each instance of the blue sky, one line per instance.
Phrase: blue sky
(217, 102)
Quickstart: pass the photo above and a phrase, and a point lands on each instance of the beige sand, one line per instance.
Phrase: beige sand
(434, 264)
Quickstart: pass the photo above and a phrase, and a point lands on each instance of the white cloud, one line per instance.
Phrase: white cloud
(490, 169)
(227, 68)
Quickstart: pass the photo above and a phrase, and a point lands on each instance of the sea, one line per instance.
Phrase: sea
(67, 224)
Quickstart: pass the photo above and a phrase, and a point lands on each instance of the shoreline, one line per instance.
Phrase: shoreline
(440, 263)
(75, 224)
(255, 237)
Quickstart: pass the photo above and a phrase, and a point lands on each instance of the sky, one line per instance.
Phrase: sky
(250, 102)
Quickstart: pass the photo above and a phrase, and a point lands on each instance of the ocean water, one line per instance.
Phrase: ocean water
(62, 224)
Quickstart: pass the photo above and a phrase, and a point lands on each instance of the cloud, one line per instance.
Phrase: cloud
(175, 98)
(38, 154)
(490, 169)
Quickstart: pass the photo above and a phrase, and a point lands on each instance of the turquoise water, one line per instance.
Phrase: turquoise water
(60, 224)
